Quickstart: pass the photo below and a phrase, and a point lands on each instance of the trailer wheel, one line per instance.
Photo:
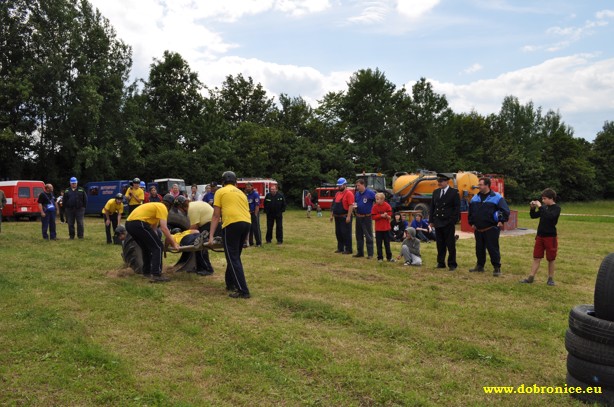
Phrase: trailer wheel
(604, 289)
(132, 254)
(424, 208)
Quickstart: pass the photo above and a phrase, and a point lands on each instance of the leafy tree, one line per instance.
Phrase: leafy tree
(602, 153)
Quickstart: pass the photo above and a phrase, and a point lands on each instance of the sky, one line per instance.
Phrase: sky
(555, 54)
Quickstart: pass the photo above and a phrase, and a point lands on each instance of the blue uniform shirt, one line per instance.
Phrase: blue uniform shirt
(253, 199)
(364, 201)
(209, 198)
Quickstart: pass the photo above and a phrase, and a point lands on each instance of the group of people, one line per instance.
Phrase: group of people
(487, 213)
(71, 204)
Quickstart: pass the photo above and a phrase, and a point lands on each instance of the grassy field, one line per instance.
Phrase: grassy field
(76, 328)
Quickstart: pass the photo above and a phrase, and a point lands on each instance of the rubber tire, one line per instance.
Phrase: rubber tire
(132, 254)
(582, 322)
(588, 350)
(177, 219)
(606, 397)
(604, 289)
(424, 208)
(591, 373)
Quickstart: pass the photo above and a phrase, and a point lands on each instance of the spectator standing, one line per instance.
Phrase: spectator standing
(142, 224)
(143, 186)
(2, 205)
(153, 195)
(363, 205)
(341, 212)
(60, 201)
(487, 213)
(210, 193)
(445, 213)
(194, 195)
(253, 200)
(274, 206)
(135, 195)
(75, 201)
(48, 209)
(382, 213)
(546, 239)
(175, 191)
(230, 204)
(112, 214)
(308, 203)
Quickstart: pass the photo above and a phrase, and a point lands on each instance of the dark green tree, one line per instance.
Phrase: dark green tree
(602, 159)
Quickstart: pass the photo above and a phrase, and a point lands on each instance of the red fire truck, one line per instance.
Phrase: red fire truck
(262, 185)
(326, 194)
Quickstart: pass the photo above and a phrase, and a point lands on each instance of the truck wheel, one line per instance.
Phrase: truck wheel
(582, 322)
(132, 254)
(588, 350)
(604, 289)
(177, 219)
(424, 208)
(591, 373)
(606, 397)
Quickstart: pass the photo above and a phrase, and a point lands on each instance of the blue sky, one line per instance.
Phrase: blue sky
(557, 54)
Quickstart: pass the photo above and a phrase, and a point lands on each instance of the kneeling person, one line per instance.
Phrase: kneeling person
(410, 249)
(142, 225)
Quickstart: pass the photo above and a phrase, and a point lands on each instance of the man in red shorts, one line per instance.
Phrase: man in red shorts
(546, 240)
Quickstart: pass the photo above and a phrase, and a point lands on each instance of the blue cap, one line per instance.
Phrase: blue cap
(142, 184)
(73, 180)
(341, 181)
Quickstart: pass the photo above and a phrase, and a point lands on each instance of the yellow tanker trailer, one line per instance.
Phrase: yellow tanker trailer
(414, 191)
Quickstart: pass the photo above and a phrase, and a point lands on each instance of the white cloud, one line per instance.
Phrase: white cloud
(605, 14)
(473, 69)
(415, 9)
(372, 12)
(298, 8)
(572, 84)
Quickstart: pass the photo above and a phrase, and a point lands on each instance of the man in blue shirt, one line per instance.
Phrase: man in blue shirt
(208, 197)
(363, 203)
(253, 200)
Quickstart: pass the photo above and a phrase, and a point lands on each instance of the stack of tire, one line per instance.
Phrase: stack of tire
(590, 341)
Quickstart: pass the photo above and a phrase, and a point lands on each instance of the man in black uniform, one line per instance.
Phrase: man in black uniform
(274, 206)
(74, 202)
(445, 212)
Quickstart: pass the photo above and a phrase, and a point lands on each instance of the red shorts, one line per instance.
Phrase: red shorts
(545, 244)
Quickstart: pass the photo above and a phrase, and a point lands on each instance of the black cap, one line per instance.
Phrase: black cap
(442, 177)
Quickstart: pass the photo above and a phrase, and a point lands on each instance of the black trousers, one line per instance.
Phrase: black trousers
(383, 237)
(150, 244)
(73, 215)
(446, 241)
(202, 257)
(343, 232)
(114, 220)
(488, 240)
(254, 232)
(234, 236)
(364, 232)
(276, 219)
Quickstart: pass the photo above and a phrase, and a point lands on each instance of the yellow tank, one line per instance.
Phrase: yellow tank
(404, 184)
(465, 181)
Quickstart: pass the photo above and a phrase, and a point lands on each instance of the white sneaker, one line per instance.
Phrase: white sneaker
(407, 263)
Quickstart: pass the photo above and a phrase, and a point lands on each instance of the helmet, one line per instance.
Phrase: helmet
(168, 199)
(121, 229)
(136, 181)
(229, 177)
(142, 184)
(180, 200)
(341, 181)
(119, 196)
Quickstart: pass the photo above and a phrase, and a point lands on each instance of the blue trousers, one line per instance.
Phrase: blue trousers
(343, 232)
(488, 240)
(364, 232)
(48, 222)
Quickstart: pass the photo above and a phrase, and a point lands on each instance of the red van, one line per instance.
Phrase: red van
(21, 199)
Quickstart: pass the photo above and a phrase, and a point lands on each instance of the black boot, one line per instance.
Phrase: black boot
(496, 272)
(477, 269)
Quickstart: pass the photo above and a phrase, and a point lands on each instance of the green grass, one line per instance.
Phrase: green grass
(321, 329)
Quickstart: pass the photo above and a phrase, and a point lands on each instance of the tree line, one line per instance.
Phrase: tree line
(67, 108)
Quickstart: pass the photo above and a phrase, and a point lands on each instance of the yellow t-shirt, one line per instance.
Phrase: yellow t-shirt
(113, 207)
(200, 213)
(181, 235)
(233, 203)
(136, 196)
(151, 213)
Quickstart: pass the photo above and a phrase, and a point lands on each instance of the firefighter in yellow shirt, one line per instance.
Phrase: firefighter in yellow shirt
(135, 195)
(142, 224)
(230, 204)
(112, 213)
